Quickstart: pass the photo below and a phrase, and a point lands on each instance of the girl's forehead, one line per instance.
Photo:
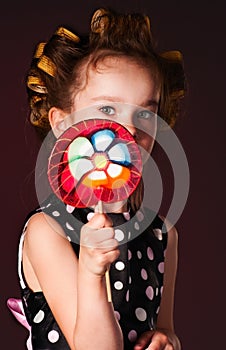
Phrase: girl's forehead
(96, 71)
(122, 69)
(125, 82)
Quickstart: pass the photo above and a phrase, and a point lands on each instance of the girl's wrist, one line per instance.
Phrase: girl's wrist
(89, 270)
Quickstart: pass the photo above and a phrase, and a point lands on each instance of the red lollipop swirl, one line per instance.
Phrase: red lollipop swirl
(94, 160)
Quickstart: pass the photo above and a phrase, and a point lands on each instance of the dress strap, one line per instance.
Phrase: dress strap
(20, 253)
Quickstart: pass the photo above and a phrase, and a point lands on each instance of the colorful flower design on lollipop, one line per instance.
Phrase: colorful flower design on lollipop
(95, 160)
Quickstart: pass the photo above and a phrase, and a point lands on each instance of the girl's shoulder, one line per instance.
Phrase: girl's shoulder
(50, 222)
(41, 224)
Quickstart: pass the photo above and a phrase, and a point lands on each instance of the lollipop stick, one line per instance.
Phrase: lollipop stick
(107, 276)
(108, 286)
(100, 208)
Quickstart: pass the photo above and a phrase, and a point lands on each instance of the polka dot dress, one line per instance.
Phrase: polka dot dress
(136, 276)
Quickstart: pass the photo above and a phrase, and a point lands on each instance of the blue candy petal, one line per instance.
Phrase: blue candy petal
(119, 153)
(102, 139)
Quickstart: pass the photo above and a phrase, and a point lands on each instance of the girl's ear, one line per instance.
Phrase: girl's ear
(56, 120)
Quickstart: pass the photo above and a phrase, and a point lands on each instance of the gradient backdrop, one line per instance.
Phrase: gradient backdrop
(198, 30)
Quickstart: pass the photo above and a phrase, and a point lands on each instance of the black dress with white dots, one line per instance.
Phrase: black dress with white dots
(136, 276)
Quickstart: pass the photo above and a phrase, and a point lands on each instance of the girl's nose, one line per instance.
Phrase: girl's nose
(127, 120)
(131, 129)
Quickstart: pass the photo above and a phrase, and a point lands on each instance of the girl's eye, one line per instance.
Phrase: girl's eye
(107, 110)
(145, 114)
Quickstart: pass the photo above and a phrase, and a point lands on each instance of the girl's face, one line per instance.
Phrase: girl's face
(123, 91)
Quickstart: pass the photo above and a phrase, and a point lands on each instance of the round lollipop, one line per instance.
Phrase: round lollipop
(94, 160)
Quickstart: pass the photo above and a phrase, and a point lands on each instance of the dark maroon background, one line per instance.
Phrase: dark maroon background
(197, 29)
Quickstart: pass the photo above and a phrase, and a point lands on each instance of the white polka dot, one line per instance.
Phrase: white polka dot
(53, 336)
(139, 254)
(69, 226)
(161, 267)
(157, 311)
(136, 226)
(119, 235)
(56, 213)
(152, 323)
(118, 285)
(90, 215)
(120, 265)
(140, 216)
(129, 235)
(144, 274)
(127, 295)
(117, 315)
(69, 208)
(69, 238)
(150, 292)
(141, 314)
(132, 335)
(161, 290)
(130, 279)
(150, 253)
(129, 254)
(158, 233)
(126, 215)
(39, 316)
(156, 291)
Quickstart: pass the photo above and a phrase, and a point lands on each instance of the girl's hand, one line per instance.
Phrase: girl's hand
(98, 247)
(158, 340)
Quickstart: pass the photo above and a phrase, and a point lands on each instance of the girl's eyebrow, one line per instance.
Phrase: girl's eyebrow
(145, 104)
(152, 102)
(107, 98)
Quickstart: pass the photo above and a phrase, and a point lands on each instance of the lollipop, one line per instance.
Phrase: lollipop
(94, 161)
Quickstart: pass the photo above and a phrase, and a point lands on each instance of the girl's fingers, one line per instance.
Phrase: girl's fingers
(144, 340)
(160, 342)
(153, 340)
(98, 238)
(99, 221)
(98, 246)
(110, 257)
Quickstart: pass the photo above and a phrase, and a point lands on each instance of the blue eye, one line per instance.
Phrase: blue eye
(145, 114)
(107, 110)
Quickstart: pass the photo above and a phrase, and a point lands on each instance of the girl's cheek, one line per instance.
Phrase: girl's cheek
(145, 141)
(146, 146)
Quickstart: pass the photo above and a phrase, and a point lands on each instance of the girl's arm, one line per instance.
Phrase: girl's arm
(74, 289)
(164, 336)
(95, 315)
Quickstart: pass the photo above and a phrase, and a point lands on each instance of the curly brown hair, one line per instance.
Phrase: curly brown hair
(58, 67)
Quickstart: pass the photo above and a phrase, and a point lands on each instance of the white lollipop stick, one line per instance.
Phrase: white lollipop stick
(99, 209)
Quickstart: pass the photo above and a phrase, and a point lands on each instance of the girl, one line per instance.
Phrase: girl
(63, 283)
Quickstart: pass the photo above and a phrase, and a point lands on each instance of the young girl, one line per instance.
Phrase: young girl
(63, 283)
